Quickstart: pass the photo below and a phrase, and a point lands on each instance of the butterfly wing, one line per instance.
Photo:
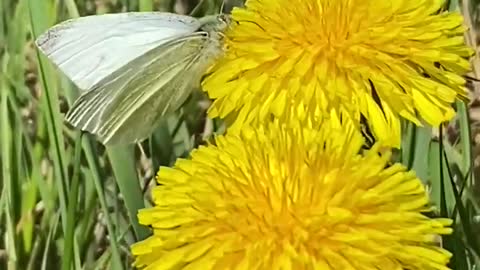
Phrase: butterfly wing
(126, 106)
(89, 49)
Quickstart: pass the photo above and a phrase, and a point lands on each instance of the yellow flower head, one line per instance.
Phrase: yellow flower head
(290, 198)
(380, 59)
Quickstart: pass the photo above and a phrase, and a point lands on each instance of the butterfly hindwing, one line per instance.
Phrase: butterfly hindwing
(127, 107)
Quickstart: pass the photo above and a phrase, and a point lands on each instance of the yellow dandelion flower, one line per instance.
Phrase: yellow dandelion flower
(380, 59)
(280, 197)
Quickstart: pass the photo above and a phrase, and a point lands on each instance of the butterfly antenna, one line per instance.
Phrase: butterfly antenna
(141, 149)
(222, 6)
(196, 9)
(470, 78)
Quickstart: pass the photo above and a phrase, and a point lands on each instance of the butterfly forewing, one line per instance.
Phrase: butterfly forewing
(89, 49)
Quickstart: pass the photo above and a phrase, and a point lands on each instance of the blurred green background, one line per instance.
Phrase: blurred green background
(67, 202)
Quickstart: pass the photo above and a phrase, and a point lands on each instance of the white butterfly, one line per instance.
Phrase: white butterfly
(133, 68)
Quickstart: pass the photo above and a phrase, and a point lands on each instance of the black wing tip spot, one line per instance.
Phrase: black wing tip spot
(48, 39)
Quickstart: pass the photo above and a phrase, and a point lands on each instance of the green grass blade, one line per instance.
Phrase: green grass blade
(167, 5)
(72, 206)
(423, 137)
(465, 141)
(7, 177)
(467, 226)
(145, 5)
(161, 146)
(453, 5)
(72, 9)
(95, 172)
(408, 145)
(123, 165)
(440, 193)
(444, 209)
(455, 245)
(48, 242)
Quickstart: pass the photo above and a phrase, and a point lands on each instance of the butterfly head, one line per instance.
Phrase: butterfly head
(217, 23)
